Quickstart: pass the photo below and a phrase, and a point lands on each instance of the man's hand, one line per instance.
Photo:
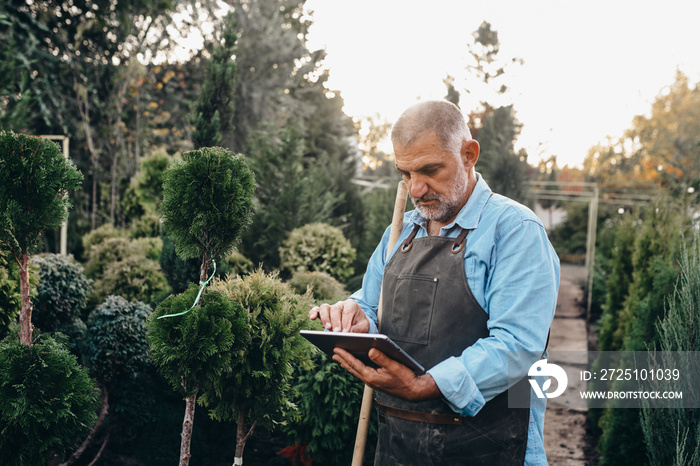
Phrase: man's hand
(343, 316)
(391, 377)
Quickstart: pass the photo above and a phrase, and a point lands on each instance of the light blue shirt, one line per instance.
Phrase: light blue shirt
(513, 272)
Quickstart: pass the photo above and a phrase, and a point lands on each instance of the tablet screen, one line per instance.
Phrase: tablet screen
(359, 344)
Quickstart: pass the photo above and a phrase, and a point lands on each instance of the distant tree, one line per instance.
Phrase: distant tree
(214, 109)
(503, 168)
(291, 191)
(35, 180)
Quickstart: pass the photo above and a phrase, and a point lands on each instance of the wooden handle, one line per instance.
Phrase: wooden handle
(368, 394)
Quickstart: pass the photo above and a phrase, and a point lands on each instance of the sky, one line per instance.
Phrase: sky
(588, 66)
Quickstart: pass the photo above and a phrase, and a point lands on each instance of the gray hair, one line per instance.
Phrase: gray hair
(432, 116)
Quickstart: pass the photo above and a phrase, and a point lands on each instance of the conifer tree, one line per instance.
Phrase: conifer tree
(207, 202)
(35, 180)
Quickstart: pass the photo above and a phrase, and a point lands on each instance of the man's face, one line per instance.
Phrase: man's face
(437, 179)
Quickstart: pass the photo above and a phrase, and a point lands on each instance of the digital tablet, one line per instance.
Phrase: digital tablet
(359, 344)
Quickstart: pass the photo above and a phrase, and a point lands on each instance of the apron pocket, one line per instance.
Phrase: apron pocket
(411, 292)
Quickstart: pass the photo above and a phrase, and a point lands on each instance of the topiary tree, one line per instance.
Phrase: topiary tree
(256, 390)
(318, 247)
(35, 180)
(47, 400)
(207, 203)
(62, 294)
(195, 349)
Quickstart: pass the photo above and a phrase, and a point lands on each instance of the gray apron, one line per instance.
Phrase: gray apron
(430, 311)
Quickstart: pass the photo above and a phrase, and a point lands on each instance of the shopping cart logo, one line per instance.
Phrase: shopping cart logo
(543, 369)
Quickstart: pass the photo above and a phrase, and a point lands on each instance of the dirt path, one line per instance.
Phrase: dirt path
(564, 427)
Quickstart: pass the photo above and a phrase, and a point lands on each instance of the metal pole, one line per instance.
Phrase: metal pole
(368, 394)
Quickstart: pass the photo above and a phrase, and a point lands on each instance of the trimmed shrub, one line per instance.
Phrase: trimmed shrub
(112, 250)
(257, 389)
(134, 278)
(47, 400)
(324, 288)
(99, 234)
(62, 292)
(116, 346)
(318, 247)
(146, 226)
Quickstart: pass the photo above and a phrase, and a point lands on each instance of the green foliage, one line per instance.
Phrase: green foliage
(329, 400)
(235, 263)
(324, 288)
(10, 301)
(318, 247)
(146, 226)
(133, 278)
(258, 384)
(617, 285)
(62, 292)
(194, 350)
(654, 271)
(35, 180)
(47, 401)
(99, 235)
(180, 273)
(145, 191)
(672, 436)
(292, 191)
(213, 112)
(207, 202)
(111, 250)
(116, 348)
(502, 168)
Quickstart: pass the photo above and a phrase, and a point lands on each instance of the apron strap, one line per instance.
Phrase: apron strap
(406, 246)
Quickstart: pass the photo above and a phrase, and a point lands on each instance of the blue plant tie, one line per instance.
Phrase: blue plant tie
(201, 288)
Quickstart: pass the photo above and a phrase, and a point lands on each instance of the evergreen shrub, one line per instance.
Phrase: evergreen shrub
(324, 288)
(134, 278)
(62, 292)
(47, 400)
(318, 247)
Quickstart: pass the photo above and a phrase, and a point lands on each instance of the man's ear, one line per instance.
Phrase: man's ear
(469, 153)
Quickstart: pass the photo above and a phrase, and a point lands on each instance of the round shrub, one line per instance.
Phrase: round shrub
(100, 234)
(193, 350)
(236, 263)
(116, 345)
(47, 400)
(318, 247)
(146, 226)
(324, 288)
(134, 278)
(112, 250)
(62, 292)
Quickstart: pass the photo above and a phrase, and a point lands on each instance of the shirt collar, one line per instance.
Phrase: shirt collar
(468, 217)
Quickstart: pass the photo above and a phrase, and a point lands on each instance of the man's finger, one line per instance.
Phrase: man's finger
(324, 313)
(336, 316)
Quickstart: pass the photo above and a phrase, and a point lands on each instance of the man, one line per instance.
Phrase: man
(472, 281)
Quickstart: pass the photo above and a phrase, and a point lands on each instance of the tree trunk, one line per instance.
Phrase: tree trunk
(25, 315)
(206, 261)
(241, 438)
(186, 436)
(88, 440)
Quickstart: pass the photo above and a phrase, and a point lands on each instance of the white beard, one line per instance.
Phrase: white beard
(448, 206)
